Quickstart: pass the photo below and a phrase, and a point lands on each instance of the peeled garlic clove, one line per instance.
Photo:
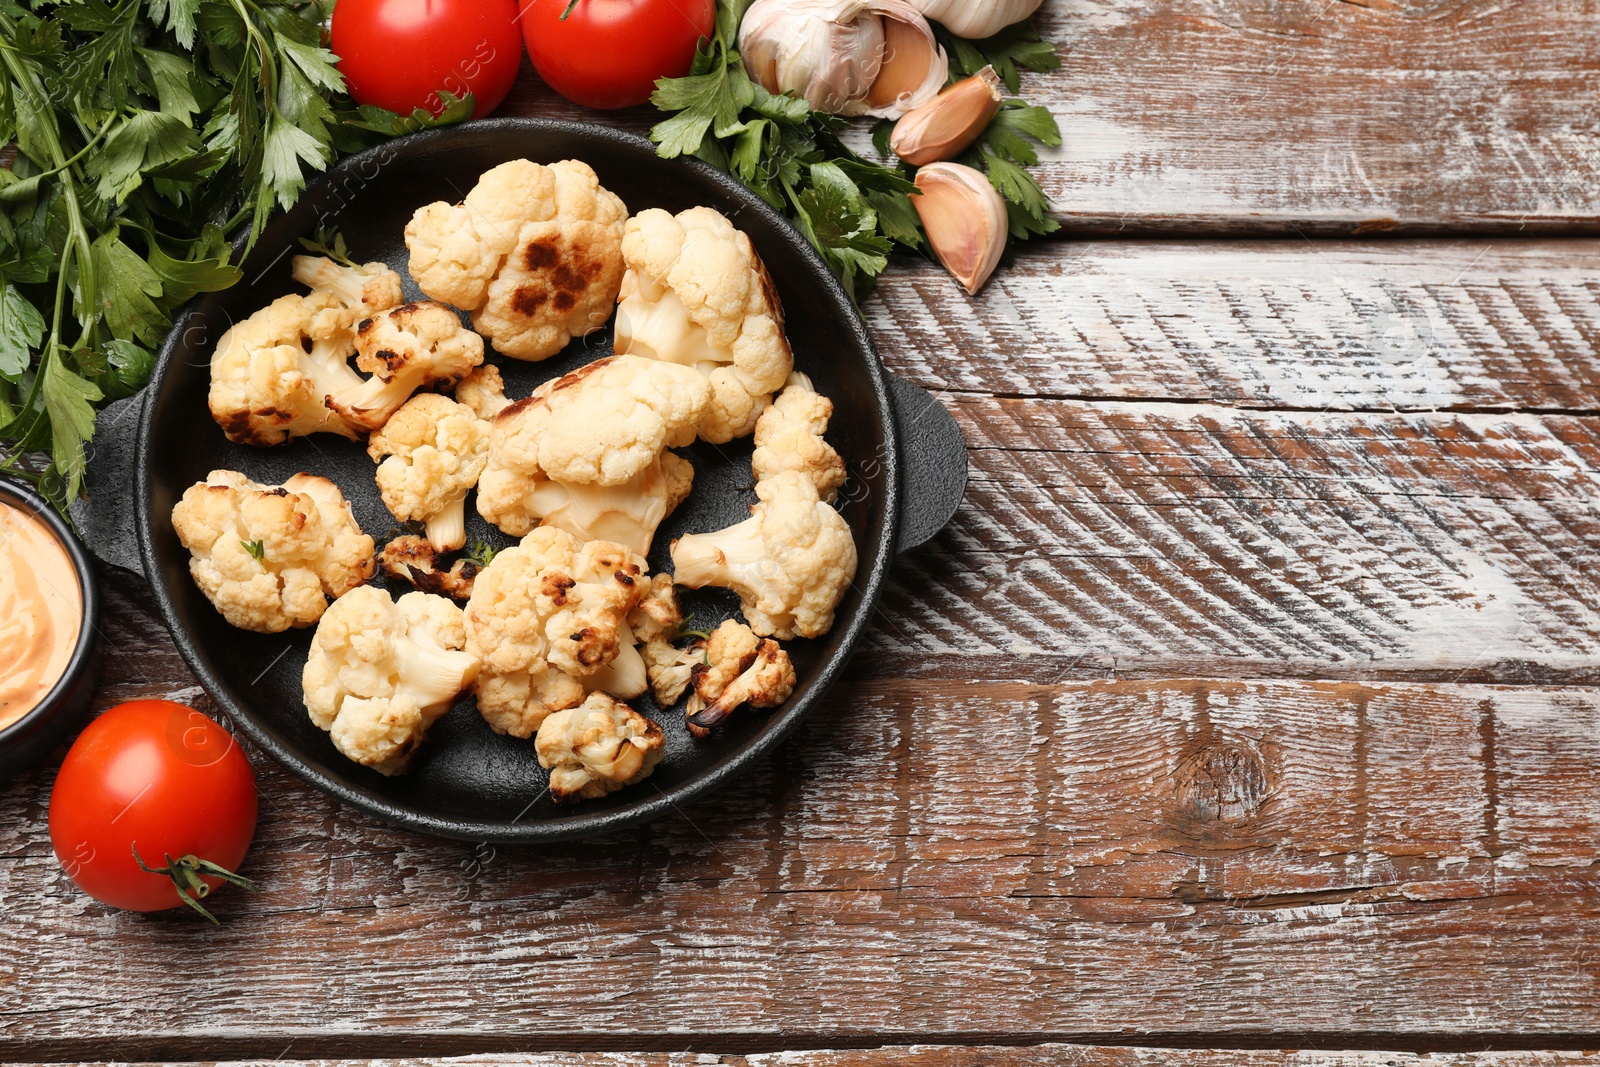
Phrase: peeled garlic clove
(965, 220)
(827, 54)
(944, 126)
(976, 19)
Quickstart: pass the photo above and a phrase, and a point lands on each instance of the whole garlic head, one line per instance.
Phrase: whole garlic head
(835, 53)
(976, 19)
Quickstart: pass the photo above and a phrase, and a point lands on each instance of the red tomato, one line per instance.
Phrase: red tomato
(398, 54)
(609, 53)
(155, 776)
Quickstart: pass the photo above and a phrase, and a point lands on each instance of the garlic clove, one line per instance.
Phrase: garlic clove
(914, 67)
(906, 60)
(976, 19)
(945, 126)
(965, 220)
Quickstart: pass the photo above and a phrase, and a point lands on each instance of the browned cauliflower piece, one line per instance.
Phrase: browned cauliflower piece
(380, 673)
(587, 452)
(411, 347)
(430, 454)
(271, 374)
(736, 668)
(791, 562)
(484, 391)
(548, 618)
(697, 294)
(597, 748)
(412, 560)
(789, 438)
(361, 291)
(533, 252)
(269, 557)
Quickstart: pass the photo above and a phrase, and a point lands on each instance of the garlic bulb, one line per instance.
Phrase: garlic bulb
(977, 19)
(965, 220)
(945, 126)
(847, 57)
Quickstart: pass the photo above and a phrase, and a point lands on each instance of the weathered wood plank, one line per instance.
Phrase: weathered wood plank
(1304, 116)
(928, 860)
(1042, 1055)
(1373, 325)
(1148, 539)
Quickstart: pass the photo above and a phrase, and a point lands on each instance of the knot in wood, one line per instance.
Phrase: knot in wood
(1225, 781)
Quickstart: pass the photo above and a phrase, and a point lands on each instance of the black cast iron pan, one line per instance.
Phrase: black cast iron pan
(906, 458)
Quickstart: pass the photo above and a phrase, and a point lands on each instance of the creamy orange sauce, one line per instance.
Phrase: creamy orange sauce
(41, 609)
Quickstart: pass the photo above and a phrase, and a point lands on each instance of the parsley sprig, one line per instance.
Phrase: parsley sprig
(853, 210)
(145, 131)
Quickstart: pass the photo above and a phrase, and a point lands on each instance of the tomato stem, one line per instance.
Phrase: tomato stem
(568, 11)
(185, 873)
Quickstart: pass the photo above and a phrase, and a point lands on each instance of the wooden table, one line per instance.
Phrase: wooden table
(1249, 703)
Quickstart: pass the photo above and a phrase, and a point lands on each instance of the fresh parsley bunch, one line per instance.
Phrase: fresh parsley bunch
(145, 132)
(852, 210)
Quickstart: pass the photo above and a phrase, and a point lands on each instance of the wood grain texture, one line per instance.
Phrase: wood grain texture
(1303, 116)
(1305, 864)
(1115, 538)
(1046, 1055)
(1330, 325)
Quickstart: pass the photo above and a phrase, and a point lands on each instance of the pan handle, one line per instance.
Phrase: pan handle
(935, 463)
(104, 514)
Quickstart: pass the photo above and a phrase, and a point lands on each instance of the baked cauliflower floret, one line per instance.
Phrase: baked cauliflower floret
(268, 557)
(271, 373)
(545, 616)
(534, 252)
(380, 672)
(361, 291)
(484, 391)
(412, 560)
(697, 294)
(737, 668)
(671, 668)
(586, 452)
(790, 562)
(597, 748)
(436, 449)
(789, 438)
(411, 347)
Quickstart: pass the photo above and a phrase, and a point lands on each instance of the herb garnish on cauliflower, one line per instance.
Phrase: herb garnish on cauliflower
(534, 252)
(436, 449)
(411, 347)
(547, 616)
(268, 557)
(597, 748)
(381, 672)
(697, 294)
(586, 453)
(790, 562)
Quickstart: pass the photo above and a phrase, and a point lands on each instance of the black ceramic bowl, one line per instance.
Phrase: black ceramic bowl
(25, 743)
(470, 782)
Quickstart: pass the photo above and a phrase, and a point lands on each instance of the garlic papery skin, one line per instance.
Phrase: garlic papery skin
(945, 126)
(833, 54)
(826, 53)
(977, 19)
(965, 221)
